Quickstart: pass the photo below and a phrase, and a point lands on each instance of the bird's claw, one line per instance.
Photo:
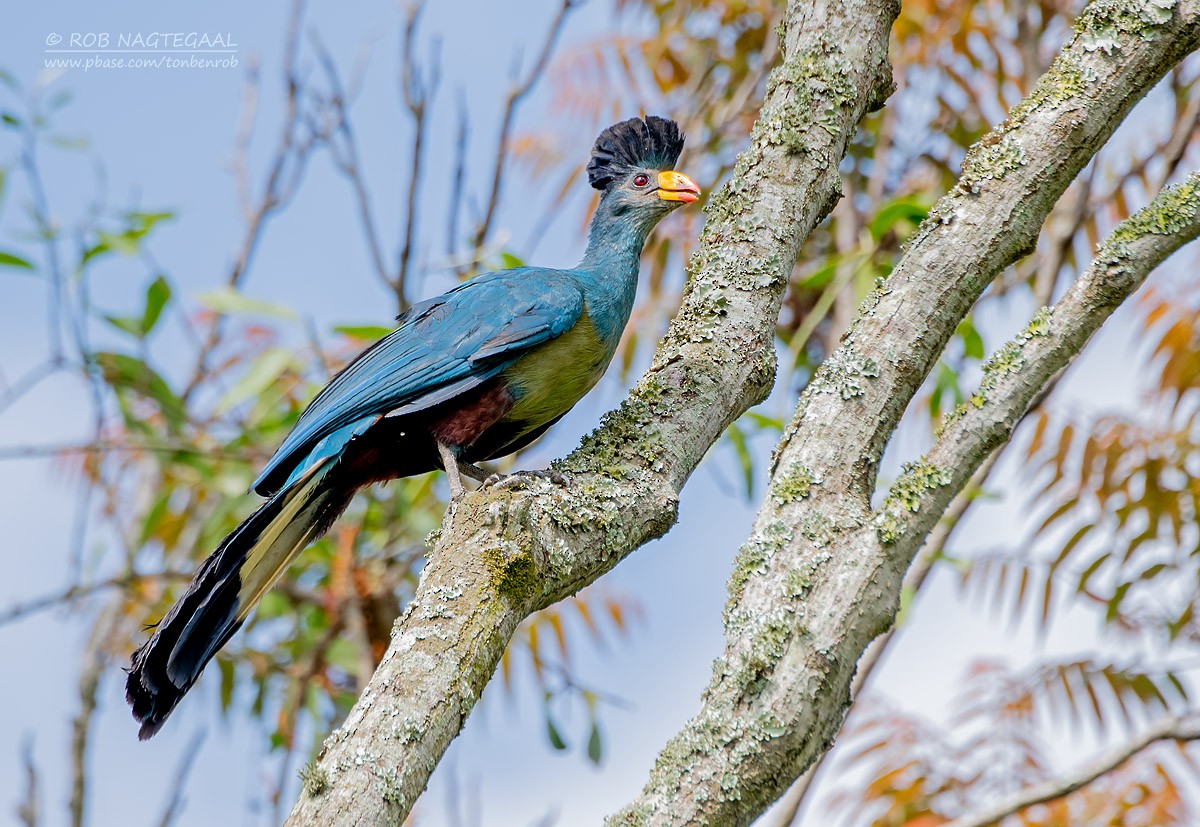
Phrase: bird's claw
(521, 479)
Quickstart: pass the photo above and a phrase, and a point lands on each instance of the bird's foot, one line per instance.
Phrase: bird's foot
(521, 479)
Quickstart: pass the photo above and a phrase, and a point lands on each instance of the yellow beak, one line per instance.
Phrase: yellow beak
(675, 186)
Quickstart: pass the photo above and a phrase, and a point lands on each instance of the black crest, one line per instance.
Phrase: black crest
(654, 143)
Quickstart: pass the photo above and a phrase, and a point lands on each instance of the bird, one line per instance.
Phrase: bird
(473, 374)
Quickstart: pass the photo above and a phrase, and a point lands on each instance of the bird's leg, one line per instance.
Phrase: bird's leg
(520, 478)
(451, 467)
(475, 472)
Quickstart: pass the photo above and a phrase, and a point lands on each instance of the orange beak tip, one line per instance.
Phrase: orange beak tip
(675, 186)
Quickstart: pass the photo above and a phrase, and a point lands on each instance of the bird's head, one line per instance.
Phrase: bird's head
(633, 164)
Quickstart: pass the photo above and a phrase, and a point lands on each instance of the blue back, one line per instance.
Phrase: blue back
(443, 347)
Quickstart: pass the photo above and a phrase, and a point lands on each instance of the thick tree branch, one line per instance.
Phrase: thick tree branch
(505, 554)
(1176, 728)
(918, 573)
(1016, 374)
(820, 576)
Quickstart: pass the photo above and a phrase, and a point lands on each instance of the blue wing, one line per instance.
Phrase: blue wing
(444, 347)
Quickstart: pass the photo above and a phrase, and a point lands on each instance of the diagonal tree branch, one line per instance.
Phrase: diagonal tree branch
(505, 554)
(820, 576)
(914, 579)
(935, 544)
(1177, 728)
(1016, 374)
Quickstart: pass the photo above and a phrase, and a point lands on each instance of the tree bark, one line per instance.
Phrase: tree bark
(504, 554)
(820, 576)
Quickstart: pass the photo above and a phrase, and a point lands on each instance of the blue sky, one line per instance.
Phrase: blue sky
(166, 138)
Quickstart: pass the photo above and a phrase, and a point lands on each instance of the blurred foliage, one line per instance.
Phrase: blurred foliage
(916, 773)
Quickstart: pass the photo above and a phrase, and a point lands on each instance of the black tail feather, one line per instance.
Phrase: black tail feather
(209, 612)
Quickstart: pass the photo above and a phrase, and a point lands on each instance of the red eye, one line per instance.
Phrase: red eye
(641, 180)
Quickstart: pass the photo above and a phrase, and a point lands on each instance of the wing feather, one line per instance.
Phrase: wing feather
(443, 347)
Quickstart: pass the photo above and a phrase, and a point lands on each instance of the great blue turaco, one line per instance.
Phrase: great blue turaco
(476, 373)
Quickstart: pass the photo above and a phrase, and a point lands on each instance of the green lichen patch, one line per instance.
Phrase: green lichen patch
(796, 582)
(1104, 23)
(996, 155)
(626, 435)
(1039, 325)
(1007, 361)
(843, 373)
(822, 86)
(513, 573)
(1172, 211)
(794, 484)
(313, 779)
(754, 555)
(819, 529)
(916, 478)
(387, 784)
(1067, 77)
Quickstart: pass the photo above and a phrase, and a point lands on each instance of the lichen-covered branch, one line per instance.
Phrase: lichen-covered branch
(914, 579)
(503, 554)
(820, 575)
(1177, 728)
(1015, 375)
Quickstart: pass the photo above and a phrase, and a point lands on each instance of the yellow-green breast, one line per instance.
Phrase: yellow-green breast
(548, 381)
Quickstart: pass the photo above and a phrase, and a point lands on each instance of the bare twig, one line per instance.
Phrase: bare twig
(75, 592)
(460, 177)
(1177, 728)
(417, 92)
(27, 810)
(515, 95)
(286, 167)
(175, 802)
(340, 139)
(95, 663)
(28, 382)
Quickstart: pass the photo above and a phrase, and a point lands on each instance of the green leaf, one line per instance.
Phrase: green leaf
(556, 739)
(99, 248)
(125, 243)
(767, 423)
(10, 119)
(157, 296)
(273, 605)
(510, 261)
(141, 223)
(822, 276)
(12, 260)
(226, 667)
(228, 300)
(124, 372)
(738, 440)
(896, 213)
(972, 341)
(262, 374)
(595, 748)
(366, 332)
(128, 324)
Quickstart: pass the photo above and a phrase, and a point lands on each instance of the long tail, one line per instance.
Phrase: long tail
(227, 586)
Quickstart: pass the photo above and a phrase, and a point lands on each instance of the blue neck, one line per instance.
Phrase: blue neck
(609, 269)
